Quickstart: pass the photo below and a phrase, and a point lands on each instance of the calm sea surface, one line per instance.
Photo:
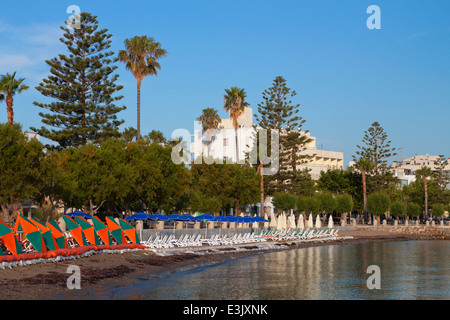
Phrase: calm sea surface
(408, 270)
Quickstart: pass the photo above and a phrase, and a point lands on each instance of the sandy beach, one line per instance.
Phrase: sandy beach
(48, 281)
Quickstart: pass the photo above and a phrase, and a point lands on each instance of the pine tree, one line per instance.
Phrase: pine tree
(377, 150)
(277, 112)
(83, 84)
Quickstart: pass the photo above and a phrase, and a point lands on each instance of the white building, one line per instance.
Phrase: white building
(405, 171)
(221, 144)
(319, 160)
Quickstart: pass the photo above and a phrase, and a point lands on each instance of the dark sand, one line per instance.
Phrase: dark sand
(48, 281)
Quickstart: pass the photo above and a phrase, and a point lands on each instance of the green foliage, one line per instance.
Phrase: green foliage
(277, 112)
(377, 203)
(156, 136)
(19, 169)
(377, 150)
(340, 181)
(10, 86)
(230, 185)
(413, 210)
(284, 201)
(344, 203)
(398, 209)
(327, 202)
(438, 210)
(83, 85)
(442, 178)
(309, 205)
(209, 119)
(415, 191)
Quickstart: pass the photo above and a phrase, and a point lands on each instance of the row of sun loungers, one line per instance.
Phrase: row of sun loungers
(186, 240)
(170, 241)
(298, 234)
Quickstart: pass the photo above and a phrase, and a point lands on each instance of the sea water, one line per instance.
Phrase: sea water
(406, 270)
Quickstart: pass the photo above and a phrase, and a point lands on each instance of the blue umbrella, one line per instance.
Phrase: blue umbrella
(158, 217)
(188, 217)
(138, 216)
(177, 217)
(79, 214)
(207, 216)
(221, 219)
(261, 219)
(231, 218)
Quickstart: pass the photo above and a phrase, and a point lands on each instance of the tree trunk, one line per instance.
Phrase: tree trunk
(364, 190)
(261, 207)
(9, 212)
(138, 110)
(237, 150)
(9, 108)
(426, 195)
(237, 209)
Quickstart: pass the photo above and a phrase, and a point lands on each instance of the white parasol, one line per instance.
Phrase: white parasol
(330, 222)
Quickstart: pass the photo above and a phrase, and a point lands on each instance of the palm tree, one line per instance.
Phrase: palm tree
(9, 86)
(210, 120)
(141, 57)
(235, 104)
(364, 165)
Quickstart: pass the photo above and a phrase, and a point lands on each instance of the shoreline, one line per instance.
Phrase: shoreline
(48, 281)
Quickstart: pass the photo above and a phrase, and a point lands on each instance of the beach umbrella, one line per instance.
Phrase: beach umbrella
(88, 230)
(138, 216)
(330, 222)
(157, 216)
(310, 221)
(129, 231)
(79, 214)
(260, 219)
(292, 221)
(75, 231)
(47, 235)
(273, 221)
(247, 219)
(57, 233)
(283, 220)
(102, 231)
(221, 219)
(116, 231)
(191, 218)
(255, 222)
(177, 217)
(266, 222)
(231, 218)
(207, 216)
(318, 222)
(9, 240)
(32, 233)
(280, 222)
(300, 224)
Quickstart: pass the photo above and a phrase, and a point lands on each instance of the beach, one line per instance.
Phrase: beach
(48, 281)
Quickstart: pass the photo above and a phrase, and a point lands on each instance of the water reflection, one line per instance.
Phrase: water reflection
(409, 270)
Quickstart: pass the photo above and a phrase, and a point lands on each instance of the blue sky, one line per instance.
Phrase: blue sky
(346, 75)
